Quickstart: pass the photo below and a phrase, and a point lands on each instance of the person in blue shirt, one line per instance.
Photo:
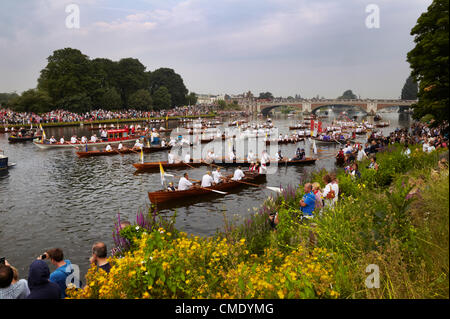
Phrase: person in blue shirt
(308, 202)
(63, 270)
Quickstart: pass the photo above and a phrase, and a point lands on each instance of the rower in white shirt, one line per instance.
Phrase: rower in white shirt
(207, 180)
(138, 145)
(93, 138)
(265, 158)
(73, 139)
(184, 183)
(120, 146)
(238, 174)
(231, 155)
(217, 176)
(108, 148)
(83, 139)
(52, 140)
(170, 158)
(251, 157)
(163, 143)
(61, 140)
(210, 157)
(187, 158)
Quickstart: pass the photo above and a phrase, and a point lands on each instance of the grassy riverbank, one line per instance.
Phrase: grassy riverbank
(112, 121)
(396, 218)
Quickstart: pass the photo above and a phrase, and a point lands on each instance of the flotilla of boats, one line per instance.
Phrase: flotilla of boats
(338, 132)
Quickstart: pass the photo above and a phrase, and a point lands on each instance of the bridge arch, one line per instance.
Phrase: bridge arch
(360, 107)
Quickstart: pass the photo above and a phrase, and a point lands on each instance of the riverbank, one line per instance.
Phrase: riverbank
(394, 219)
(112, 121)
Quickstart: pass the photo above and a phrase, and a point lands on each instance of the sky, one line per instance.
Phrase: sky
(287, 47)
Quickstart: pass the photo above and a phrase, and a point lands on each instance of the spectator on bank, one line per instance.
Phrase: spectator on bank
(63, 268)
(99, 256)
(39, 282)
(307, 203)
(11, 287)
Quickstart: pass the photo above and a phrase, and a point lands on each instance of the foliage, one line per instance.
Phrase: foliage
(429, 61)
(31, 101)
(110, 99)
(141, 100)
(348, 95)
(409, 90)
(265, 95)
(162, 98)
(169, 266)
(165, 77)
(191, 99)
(6, 98)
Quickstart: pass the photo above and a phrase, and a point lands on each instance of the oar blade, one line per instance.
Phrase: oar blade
(275, 189)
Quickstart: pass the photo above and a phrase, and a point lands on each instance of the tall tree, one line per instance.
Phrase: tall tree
(409, 90)
(68, 73)
(191, 99)
(6, 98)
(32, 100)
(429, 61)
(141, 100)
(265, 95)
(172, 81)
(162, 98)
(348, 95)
(131, 77)
(110, 100)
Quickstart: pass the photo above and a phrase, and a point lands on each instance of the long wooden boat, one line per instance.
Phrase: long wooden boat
(114, 137)
(206, 140)
(298, 127)
(26, 138)
(151, 149)
(306, 161)
(332, 141)
(154, 166)
(165, 196)
(286, 142)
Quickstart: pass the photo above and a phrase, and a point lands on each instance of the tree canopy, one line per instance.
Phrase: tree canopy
(409, 90)
(348, 95)
(429, 61)
(265, 95)
(73, 81)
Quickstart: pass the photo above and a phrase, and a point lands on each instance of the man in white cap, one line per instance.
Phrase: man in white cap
(138, 145)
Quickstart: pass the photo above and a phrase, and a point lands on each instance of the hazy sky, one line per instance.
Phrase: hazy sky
(287, 47)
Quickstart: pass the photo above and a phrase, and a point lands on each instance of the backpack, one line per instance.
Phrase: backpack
(331, 194)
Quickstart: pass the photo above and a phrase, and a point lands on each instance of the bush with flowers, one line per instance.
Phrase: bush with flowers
(182, 266)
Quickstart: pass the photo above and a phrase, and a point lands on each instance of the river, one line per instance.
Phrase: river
(52, 198)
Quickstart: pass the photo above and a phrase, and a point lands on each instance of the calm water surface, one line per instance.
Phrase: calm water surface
(51, 198)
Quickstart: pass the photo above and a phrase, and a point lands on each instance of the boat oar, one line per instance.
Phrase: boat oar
(275, 189)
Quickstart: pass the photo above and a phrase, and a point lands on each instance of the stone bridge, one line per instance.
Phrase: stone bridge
(369, 106)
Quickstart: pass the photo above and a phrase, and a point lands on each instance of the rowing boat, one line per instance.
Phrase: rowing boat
(18, 139)
(151, 149)
(306, 161)
(332, 141)
(285, 141)
(152, 166)
(164, 196)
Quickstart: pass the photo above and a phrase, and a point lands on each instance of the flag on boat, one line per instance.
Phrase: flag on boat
(161, 170)
(142, 155)
(43, 132)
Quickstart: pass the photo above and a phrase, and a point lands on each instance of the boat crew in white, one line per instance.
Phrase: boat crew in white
(83, 139)
(52, 140)
(61, 140)
(108, 148)
(104, 134)
(73, 139)
(251, 156)
(210, 157)
(238, 174)
(265, 158)
(120, 146)
(184, 183)
(217, 176)
(207, 180)
(138, 145)
(163, 143)
(93, 138)
(231, 155)
(170, 158)
(187, 158)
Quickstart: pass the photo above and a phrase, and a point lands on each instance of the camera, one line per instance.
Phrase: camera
(44, 256)
(2, 260)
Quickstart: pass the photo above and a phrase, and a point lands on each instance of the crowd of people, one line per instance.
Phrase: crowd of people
(43, 284)
(8, 116)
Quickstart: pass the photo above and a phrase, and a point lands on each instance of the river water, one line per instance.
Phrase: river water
(52, 198)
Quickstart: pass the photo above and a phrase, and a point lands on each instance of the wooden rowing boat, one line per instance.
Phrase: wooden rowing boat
(154, 166)
(165, 196)
(306, 161)
(332, 141)
(146, 150)
(26, 138)
(285, 142)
